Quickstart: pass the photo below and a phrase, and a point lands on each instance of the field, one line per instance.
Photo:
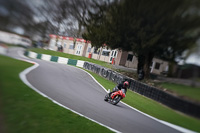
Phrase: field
(25, 111)
(16, 102)
(183, 90)
(152, 107)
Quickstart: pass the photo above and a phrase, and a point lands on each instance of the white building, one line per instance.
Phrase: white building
(83, 48)
(11, 38)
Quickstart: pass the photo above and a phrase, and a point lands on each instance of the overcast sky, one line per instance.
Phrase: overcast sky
(193, 58)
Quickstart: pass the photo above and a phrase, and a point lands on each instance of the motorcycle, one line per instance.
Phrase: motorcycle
(115, 97)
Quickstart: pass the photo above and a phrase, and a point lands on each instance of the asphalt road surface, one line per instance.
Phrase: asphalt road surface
(75, 89)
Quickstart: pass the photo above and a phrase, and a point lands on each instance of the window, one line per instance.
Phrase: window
(157, 66)
(96, 50)
(115, 53)
(78, 52)
(111, 58)
(151, 64)
(65, 45)
(130, 57)
(89, 49)
(24, 40)
(105, 53)
(112, 53)
(71, 46)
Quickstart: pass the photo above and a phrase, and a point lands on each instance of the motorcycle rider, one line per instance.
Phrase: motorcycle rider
(122, 86)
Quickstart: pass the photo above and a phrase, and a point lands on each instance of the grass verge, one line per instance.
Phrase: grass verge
(152, 107)
(191, 93)
(70, 56)
(139, 102)
(25, 111)
(183, 90)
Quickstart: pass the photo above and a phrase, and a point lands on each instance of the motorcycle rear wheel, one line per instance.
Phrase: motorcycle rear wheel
(106, 97)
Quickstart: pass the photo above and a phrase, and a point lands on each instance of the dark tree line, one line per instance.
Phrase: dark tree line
(44, 17)
(149, 28)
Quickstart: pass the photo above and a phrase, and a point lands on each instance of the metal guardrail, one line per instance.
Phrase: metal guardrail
(165, 98)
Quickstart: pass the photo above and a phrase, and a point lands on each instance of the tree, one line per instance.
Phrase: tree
(43, 17)
(148, 28)
(16, 14)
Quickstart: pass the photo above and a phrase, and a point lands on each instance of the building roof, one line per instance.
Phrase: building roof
(67, 38)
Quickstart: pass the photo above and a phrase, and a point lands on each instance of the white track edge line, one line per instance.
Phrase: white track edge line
(161, 121)
(182, 129)
(23, 78)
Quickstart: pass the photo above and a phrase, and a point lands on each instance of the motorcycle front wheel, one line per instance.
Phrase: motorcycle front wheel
(116, 99)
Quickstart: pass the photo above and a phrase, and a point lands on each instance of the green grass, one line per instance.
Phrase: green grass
(25, 111)
(144, 104)
(152, 107)
(183, 90)
(70, 56)
(13, 45)
(107, 84)
(193, 93)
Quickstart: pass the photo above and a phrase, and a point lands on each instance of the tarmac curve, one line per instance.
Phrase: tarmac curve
(76, 90)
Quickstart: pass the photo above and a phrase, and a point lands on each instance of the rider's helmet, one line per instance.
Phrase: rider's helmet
(125, 84)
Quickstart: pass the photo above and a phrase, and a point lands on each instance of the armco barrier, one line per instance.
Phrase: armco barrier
(165, 98)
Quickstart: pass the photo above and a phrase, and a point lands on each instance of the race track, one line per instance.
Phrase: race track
(76, 90)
